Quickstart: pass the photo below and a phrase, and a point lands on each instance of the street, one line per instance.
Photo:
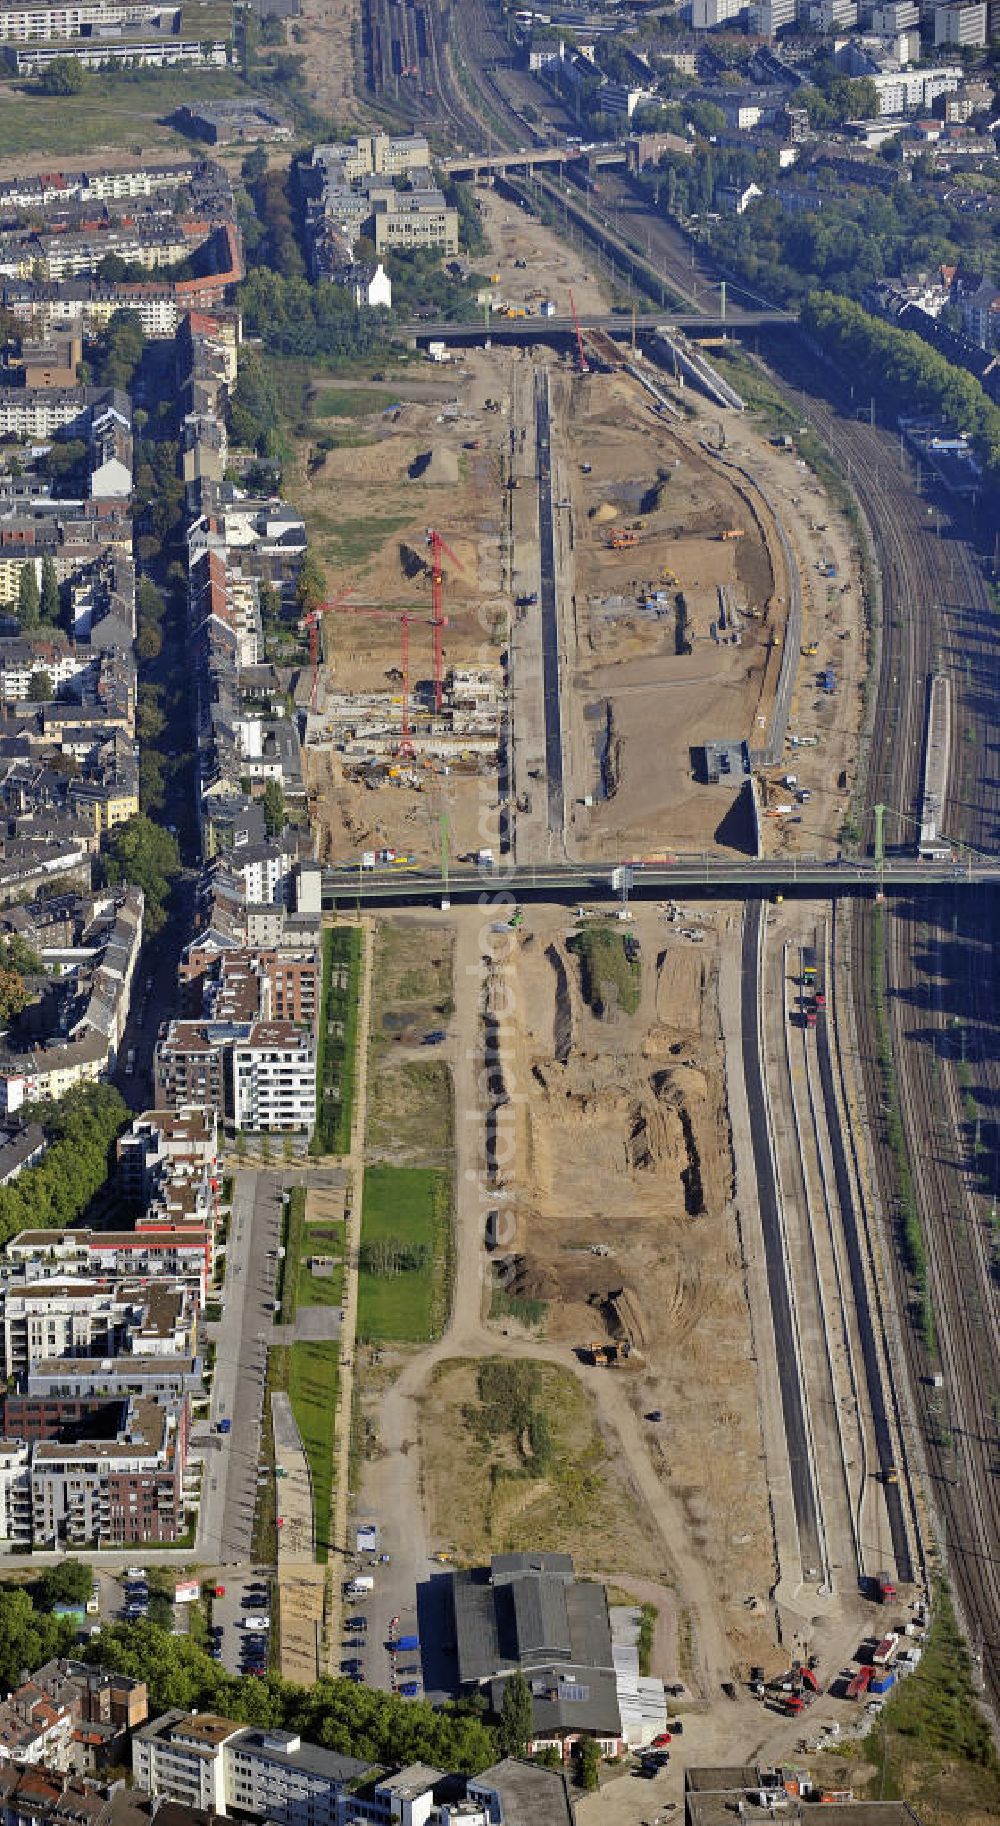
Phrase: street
(241, 1337)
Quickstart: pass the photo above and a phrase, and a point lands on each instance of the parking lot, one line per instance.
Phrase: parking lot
(241, 1644)
(376, 1621)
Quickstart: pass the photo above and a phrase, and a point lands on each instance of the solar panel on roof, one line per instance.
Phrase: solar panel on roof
(571, 1689)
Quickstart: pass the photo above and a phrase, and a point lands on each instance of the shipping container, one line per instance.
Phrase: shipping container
(883, 1681)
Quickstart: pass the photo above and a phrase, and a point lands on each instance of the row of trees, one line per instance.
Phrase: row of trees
(38, 605)
(352, 1720)
(899, 366)
(145, 854)
(81, 1130)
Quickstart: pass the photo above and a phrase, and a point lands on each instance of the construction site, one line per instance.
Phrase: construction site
(606, 600)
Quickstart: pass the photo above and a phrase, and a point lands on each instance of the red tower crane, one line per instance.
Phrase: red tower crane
(582, 362)
(438, 622)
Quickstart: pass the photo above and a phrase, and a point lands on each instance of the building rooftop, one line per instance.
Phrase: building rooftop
(289, 1748)
(529, 1795)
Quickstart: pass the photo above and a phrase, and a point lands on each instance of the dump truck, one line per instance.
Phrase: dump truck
(732, 532)
(859, 1683)
(885, 1588)
(610, 1354)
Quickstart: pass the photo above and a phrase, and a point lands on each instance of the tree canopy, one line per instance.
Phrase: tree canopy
(81, 1129)
(28, 598)
(899, 366)
(337, 1714)
(145, 853)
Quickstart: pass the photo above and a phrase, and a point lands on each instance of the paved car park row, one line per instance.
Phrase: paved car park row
(240, 1626)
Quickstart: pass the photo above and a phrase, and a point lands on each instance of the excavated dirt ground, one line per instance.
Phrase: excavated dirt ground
(623, 1148)
(368, 509)
(657, 706)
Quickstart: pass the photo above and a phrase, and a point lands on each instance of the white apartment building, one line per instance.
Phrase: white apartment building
(833, 15)
(152, 53)
(39, 412)
(21, 24)
(963, 25)
(18, 661)
(274, 1078)
(772, 16)
(707, 14)
(15, 1493)
(57, 1319)
(212, 1762)
(913, 91)
(895, 16)
(265, 869)
(414, 218)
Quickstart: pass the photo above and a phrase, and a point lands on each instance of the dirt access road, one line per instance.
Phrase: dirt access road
(394, 1482)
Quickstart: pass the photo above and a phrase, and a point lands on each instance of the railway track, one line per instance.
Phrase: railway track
(934, 594)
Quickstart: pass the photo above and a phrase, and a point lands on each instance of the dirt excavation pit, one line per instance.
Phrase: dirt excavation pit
(624, 1225)
(678, 630)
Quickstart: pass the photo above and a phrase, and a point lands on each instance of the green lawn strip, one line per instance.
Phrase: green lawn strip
(287, 1291)
(336, 1064)
(351, 402)
(310, 1373)
(414, 1205)
(321, 1290)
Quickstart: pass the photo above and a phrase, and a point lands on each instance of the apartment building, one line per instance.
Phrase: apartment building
(33, 1796)
(274, 1079)
(160, 1144)
(113, 1492)
(15, 1495)
(912, 91)
(192, 1064)
(58, 1318)
(271, 985)
(961, 24)
(138, 53)
(414, 218)
(159, 1378)
(35, 1728)
(214, 1762)
(23, 24)
(380, 155)
(39, 412)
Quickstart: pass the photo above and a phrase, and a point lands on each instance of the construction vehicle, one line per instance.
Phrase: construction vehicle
(610, 1355)
(621, 537)
(810, 650)
(859, 1683)
(732, 532)
(885, 1588)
